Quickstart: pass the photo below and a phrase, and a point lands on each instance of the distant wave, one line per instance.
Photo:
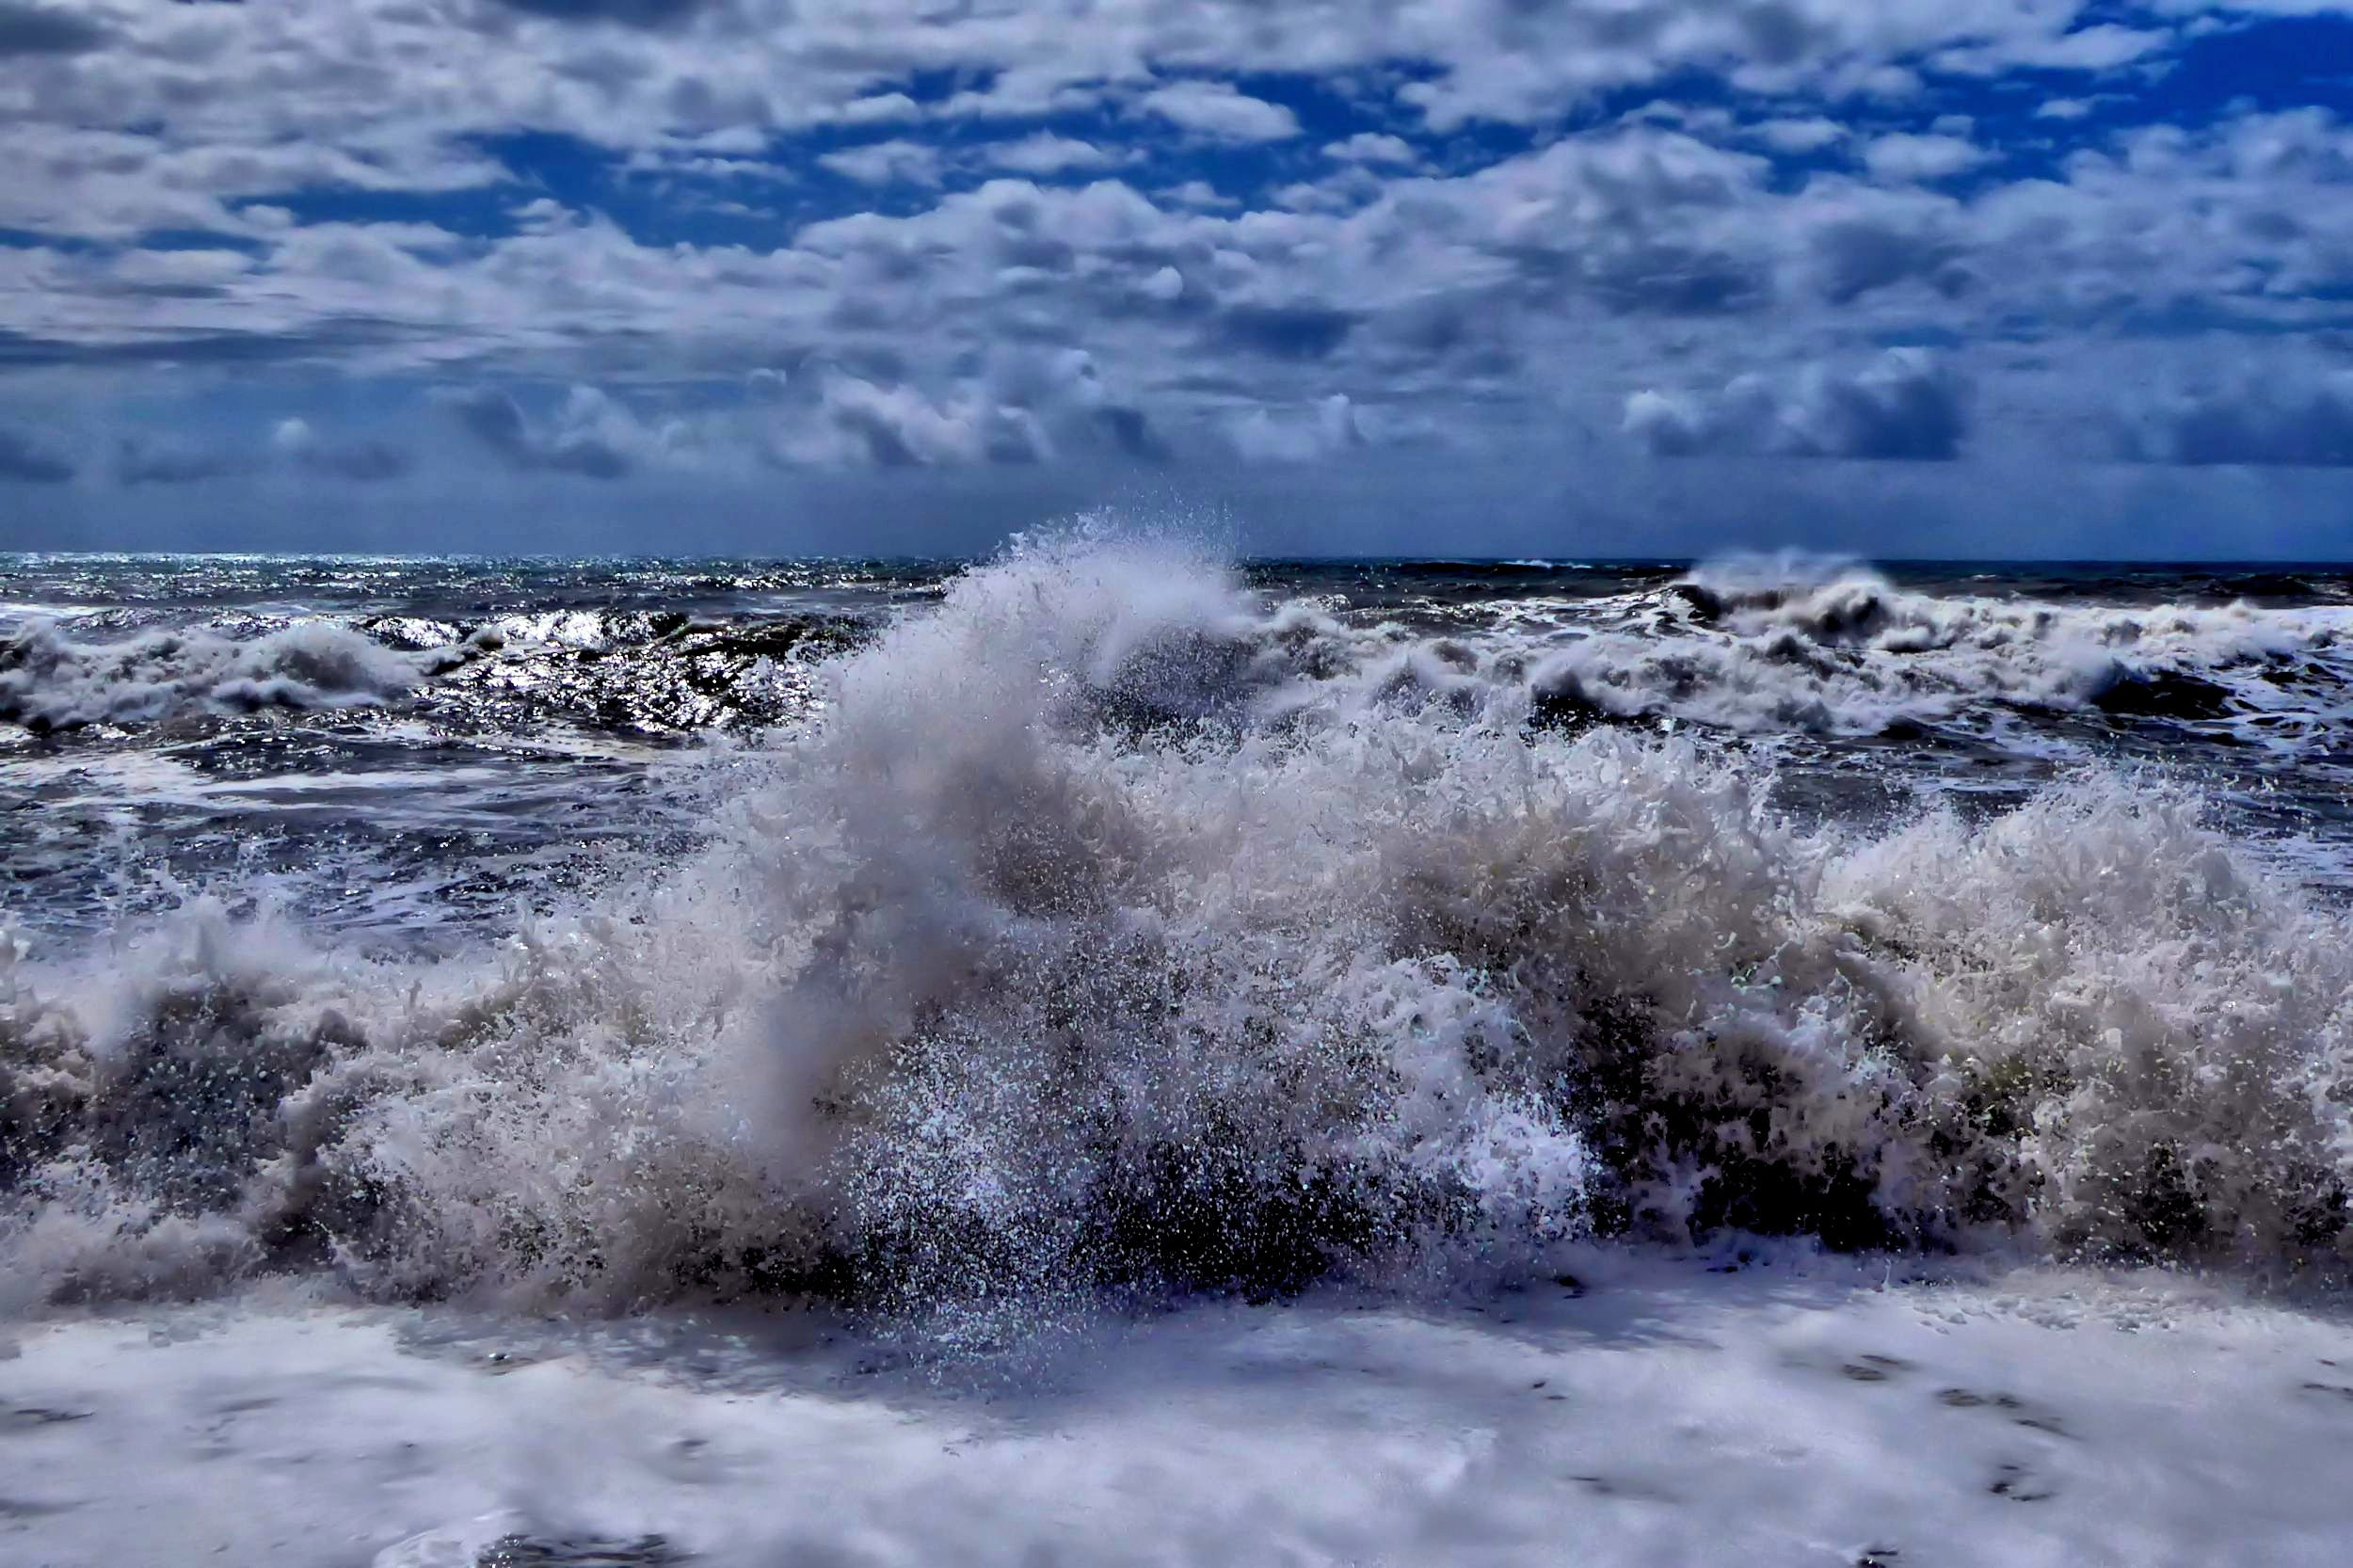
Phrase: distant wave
(49, 681)
(632, 670)
(1841, 650)
(1107, 930)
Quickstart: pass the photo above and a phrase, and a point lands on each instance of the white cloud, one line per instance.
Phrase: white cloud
(1045, 154)
(1902, 155)
(899, 426)
(1809, 135)
(590, 434)
(1198, 193)
(1373, 147)
(1329, 428)
(164, 181)
(1220, 110)
(886, 163)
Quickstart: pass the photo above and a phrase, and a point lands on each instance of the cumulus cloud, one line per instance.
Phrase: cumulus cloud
(1045, 154)
(591, 436)
(1100, 243)
(2300, 421)
(1222, 110)
(900, 427)
(26, 458)
(1327, 429)
(884, 163)
(1809, 134)
(1902, 155)
(366, 461)
(1374, 147)
(1905, 404)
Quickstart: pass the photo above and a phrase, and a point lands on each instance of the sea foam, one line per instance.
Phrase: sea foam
(51, 681)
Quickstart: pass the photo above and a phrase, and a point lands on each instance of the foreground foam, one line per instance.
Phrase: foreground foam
(1103, 935)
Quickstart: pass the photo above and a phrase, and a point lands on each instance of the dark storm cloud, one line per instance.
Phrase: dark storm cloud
(2307, 422)
(1906, 405)
(1286, 331)
(1855, 257)
(1676, 281)
(52, 30)
(143, 462)
(24, 458)
(367, 462)
(630, 13)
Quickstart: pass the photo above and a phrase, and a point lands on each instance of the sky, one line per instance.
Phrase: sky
(1927, 278)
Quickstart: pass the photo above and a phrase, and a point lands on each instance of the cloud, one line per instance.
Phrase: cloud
(886, 163)
(628, 13)
(1854, 256)
(1286, 331)
(1905, 404)
(1373, 147)
(1808, 135)
(1045, 154)
(147, 460)
(898, 427)
(1074, 405)
(1220, 110)
(1902, 155)
(2299, 420)
(365, 461)
(25, 458)
(1112, 243)
(47, 29)
(1328, 429)
(589, 437)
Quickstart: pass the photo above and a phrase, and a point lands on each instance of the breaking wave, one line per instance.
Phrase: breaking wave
(48, 681)
(1102, 933)
(1837, 650)
(616, 670)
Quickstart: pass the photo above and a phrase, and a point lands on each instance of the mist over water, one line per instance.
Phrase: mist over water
(1106, 924)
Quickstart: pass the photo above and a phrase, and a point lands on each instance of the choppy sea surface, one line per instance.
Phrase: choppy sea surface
(406, 746)
(960, 958)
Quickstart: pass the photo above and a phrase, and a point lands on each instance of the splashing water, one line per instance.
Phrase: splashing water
(1102, 934)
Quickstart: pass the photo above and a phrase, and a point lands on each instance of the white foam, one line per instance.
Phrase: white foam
(1778, 1416)
(1837, 650)
(50, 680)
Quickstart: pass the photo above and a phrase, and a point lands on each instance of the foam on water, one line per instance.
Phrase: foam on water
(50, 680)
(1837, 650)
(1106, 932)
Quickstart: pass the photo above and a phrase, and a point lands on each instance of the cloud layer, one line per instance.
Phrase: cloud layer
(611, 244)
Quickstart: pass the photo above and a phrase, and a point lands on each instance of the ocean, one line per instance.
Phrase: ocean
(1113, 1054)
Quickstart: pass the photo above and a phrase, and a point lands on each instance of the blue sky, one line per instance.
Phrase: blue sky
(1590, 276)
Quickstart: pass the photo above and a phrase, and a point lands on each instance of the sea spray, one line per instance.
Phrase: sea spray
(1105, 930)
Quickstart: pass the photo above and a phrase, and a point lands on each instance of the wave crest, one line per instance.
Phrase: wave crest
(48, 681)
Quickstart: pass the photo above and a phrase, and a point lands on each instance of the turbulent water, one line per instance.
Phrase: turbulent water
(1106, 922)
